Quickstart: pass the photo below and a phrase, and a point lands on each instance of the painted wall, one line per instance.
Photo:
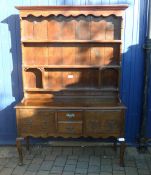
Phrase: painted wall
(10, 62)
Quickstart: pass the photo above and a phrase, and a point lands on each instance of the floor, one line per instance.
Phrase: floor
(74, 160)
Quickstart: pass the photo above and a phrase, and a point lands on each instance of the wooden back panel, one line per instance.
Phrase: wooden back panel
(71, 54)
(71, 28)
(71, 48)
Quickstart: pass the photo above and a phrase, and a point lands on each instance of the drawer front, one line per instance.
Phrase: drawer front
(36, 122)
(70, 128)
(69, 116)
(104, 122)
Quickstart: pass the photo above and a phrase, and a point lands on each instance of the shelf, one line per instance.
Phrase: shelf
(69, 89)
(72, 41)
(71, 66)
(111, 67)
(61, 66)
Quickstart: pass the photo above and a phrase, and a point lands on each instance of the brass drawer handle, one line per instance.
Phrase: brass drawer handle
(70, 115)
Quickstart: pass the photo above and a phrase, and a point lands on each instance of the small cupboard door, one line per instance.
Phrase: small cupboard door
(36, 122)
(104, 123)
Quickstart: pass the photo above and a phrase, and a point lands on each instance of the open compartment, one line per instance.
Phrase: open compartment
(71, 78)
(72, 27)
(32, 78)
(71, 54)
(109, 78)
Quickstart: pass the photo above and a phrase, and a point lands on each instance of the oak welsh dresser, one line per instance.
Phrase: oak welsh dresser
(71, 69)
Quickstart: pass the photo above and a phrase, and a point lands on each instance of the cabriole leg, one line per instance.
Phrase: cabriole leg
(19, 149)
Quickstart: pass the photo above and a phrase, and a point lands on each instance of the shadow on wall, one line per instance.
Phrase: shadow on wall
(7, 115)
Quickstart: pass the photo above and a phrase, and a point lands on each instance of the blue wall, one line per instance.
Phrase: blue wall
(10, 62)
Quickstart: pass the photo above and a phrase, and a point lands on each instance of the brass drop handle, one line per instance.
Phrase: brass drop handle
(70, 115)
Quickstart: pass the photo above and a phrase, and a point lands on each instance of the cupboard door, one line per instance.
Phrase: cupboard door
(107, 122)
(36, 122)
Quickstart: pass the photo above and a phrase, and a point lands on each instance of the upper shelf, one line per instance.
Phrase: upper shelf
(72, 41)
(99, 10)
(72, 66)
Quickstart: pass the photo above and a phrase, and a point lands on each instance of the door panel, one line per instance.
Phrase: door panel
(36, 122)
(103, 122)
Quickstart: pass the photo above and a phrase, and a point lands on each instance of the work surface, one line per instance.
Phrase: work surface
(84, 103)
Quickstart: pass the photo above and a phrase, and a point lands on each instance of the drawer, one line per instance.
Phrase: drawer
(69, 115)
(70, 127)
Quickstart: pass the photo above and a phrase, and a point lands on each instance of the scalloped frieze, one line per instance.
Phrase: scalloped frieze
(74, 11)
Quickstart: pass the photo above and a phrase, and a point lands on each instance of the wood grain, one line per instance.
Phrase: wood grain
(71, 72)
